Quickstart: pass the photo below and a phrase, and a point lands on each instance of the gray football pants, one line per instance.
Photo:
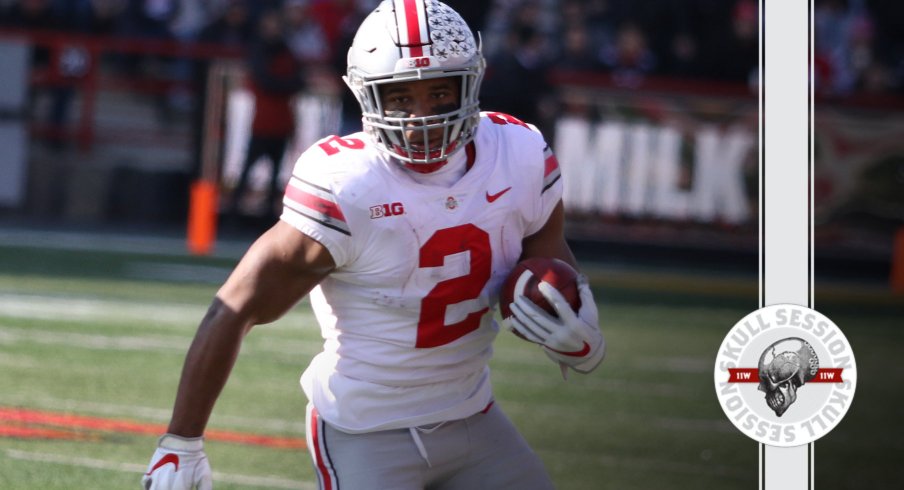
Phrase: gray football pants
(483, 451)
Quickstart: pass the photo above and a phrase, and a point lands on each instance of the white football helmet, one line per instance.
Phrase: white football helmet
(405, 40)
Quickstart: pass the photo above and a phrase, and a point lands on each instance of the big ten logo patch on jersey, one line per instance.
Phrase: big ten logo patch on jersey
(785, 375)
(384, 210)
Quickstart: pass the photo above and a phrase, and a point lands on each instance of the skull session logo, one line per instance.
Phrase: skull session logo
(781, 374)
(785, 375)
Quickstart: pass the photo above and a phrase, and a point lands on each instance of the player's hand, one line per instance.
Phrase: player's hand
(178, 464)
(572, 339)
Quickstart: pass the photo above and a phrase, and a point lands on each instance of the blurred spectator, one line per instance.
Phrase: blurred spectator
(599, 17)
(474, 14)
(304, 34)
(150, 18)
(682, 58)
(846, 50)
(51, 64)
(832, 23)
(515, 81)
(191, 17)
(508, 16)
(577, 51)
(33, 14)
(888, 17)
(331, 16)
(877, 79)
(629, 58)
(736, 58)
(232, 27)
(351, 112)
(275, 76)
(99, 17)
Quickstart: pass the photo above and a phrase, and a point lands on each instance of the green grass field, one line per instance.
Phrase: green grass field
(103, 335)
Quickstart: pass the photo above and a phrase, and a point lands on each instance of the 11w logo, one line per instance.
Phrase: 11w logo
(384, 210)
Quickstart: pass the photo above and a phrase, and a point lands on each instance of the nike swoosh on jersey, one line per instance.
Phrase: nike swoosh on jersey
(167, 458)
(578, 353)
(493, 197)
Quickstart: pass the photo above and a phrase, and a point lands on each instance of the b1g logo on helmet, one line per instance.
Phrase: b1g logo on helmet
(785, 375)
(422, 62)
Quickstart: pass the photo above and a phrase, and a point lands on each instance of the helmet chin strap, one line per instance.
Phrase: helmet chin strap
(426, 168)
(448, 172)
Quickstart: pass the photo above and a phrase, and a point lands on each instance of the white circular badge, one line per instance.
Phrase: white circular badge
(785, 375)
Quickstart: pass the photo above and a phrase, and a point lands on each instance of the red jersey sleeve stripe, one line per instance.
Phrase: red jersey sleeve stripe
(551, 163)
(551, 172)
(315, 208)
(315, 203)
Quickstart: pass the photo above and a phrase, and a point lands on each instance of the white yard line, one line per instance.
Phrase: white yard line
(47, 307)
(94, 309)
(11, 335)
(138, 469)
(145, 343)
(19, 361)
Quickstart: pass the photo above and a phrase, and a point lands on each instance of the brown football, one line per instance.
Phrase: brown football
(554, 271)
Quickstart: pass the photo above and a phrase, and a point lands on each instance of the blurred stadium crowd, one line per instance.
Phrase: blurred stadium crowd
(859, 43)
(160, 49)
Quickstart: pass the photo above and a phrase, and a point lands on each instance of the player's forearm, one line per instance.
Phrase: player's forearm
(207, 366)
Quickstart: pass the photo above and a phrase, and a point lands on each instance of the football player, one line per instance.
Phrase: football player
(402, 234)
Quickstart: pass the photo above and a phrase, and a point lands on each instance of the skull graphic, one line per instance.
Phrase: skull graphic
(784, 367)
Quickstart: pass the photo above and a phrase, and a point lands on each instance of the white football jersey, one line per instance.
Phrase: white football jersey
(407, 315)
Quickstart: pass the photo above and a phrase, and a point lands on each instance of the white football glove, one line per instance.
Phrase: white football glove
(178, 464)
(572, 340)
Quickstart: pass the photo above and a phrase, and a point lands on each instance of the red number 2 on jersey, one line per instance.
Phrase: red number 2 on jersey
(503, 119)
(431, 328)
(332, 144)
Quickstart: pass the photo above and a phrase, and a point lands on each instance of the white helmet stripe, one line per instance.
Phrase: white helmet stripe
(412, 22)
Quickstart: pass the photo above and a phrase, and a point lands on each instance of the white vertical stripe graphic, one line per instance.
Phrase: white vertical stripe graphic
(785, 182)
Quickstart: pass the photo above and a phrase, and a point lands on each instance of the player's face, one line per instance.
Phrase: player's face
(421, 98)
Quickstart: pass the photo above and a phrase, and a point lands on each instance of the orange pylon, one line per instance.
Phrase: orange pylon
(202, 217)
